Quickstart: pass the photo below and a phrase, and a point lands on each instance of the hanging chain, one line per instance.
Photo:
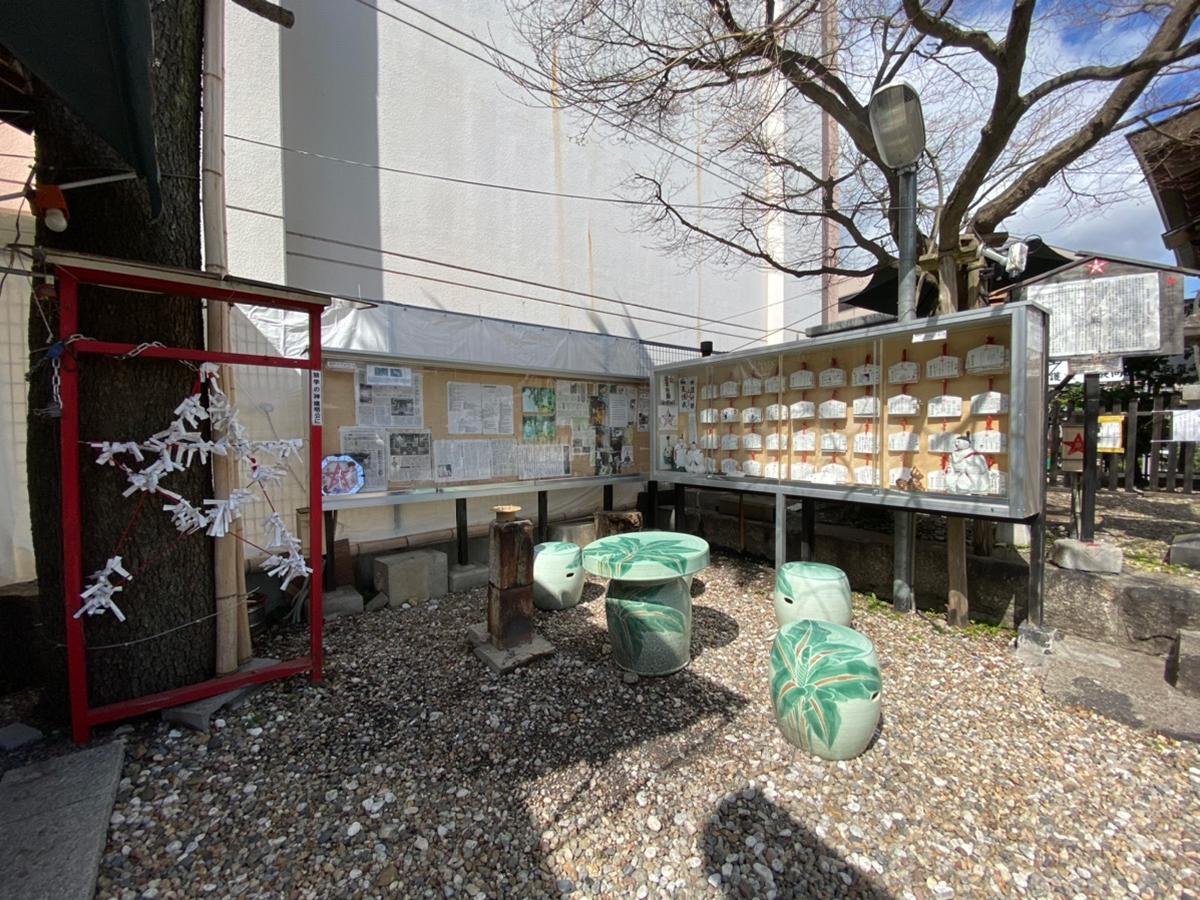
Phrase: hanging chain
(54, 410)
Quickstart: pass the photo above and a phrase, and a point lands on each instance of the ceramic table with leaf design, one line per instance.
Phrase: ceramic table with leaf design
(649, 603)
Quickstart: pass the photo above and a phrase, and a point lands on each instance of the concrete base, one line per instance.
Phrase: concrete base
(412, 576)
(1185, 551)
(54, 823)
(469, 577)
(1012, 534)
(18, 735)
(1094, 557)
(503, 661)
(343, 601)
(1183, 663)
(1121, 685)
(580, 531)
(1035, 644)
(197, 714)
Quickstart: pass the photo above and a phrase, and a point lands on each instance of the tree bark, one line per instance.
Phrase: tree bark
(127, 399)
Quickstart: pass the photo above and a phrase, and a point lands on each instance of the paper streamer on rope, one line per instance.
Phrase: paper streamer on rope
(98, 597)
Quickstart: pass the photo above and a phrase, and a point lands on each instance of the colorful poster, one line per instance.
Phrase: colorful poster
(538, 429)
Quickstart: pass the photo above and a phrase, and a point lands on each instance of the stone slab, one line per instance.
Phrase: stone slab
(343, 601)
(1083, 557)
(54, 823)
(468, 577)
(1122, 685)
(376, 603)
(1183, 663)
(1185, 550)
(581, 532)
(197, 714)
(413, 575)
(504, 661)
(16, 735)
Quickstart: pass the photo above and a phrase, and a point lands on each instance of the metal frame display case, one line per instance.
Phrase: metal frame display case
(940, 415)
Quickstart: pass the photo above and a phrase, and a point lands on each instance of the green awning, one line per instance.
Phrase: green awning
(96, 56)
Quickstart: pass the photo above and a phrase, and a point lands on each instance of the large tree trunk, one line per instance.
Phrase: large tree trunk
(128, 399)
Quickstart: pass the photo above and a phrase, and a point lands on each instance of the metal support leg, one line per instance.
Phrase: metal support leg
(904, 597)
(1037, 570)
(608, 498)
(330, 566)
(543, 515)
(652, 501)
(1091, 415)
(780, 530)
(680, 508)
(462, 534)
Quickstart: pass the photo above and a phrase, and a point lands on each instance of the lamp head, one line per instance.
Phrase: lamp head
(51, 205)
(897, 123)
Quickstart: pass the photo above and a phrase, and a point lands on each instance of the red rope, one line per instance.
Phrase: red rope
(137, 510)
(156, 557)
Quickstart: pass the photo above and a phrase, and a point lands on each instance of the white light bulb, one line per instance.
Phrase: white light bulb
(55, 220)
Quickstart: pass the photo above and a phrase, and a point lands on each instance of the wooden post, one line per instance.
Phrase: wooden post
(1037, 569)
(510, 579)
(741, 522)
(1055, 444)
(1112, 459)
(780, 530)
(956, 570)
(1131, 418)
(1156, 423)
(1091, 425)
(983, 536)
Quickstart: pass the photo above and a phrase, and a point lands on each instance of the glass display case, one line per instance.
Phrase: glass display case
(942, 414)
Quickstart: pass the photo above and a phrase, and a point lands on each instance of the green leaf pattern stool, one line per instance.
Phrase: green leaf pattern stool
(808, 590)
(825, 688)
(557, 575)
(649, 603)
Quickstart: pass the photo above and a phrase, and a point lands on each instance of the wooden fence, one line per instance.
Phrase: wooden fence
(1160, 465)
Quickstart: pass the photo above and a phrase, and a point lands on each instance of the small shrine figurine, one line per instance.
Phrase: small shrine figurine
(968, 468)
(914, 482)
(695, 460)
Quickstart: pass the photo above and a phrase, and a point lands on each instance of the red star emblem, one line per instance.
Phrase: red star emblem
(1096, 266)
(1075, 445)
(1171, 280)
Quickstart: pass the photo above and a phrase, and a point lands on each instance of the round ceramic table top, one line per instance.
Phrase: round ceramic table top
(646, 556)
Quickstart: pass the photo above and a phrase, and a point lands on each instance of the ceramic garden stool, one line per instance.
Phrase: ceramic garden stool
(825, 688)
(808, 590)
(557, 575)
(649, 603)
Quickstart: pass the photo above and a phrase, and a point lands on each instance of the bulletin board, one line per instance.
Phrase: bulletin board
(418, 426)
(938, 414)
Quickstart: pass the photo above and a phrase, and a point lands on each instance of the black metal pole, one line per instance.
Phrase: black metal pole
(808, 529)
(680, 508)
(330, 574)
(1091, 416)
(461, 532)
(652, 502)
(608, 498)
(543, 515)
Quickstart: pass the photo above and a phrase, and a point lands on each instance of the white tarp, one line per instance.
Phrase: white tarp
(414, 333)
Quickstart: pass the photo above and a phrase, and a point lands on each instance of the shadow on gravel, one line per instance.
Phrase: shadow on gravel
(711, 628)
(755, 848)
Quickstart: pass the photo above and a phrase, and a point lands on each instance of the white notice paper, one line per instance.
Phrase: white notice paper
(1185, 425)
(410, 456)
(462, 460)
(390, 405)
(478, 408)
(543, 460)
(368, 447)
(504, 459)
(571, 399)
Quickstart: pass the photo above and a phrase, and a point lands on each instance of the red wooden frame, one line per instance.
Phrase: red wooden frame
(163, 281)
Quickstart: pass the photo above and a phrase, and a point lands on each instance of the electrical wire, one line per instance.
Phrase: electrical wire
(787, 327)
(591, 198)
(488, 274)
(742, 184)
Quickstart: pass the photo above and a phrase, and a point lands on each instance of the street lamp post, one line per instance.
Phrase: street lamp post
(898, 127)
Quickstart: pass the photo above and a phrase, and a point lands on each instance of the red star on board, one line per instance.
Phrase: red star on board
(1171, 280)
(1096, 266)
(1075, 445)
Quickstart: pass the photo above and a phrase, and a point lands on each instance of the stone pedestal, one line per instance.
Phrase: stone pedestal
(412, 576)
(1094, 557)
(608, 523)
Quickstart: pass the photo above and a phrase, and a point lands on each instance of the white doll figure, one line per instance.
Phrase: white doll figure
(695, 460)
(968, 468)
(679, 454)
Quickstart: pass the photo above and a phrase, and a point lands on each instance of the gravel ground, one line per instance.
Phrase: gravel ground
(414, 771)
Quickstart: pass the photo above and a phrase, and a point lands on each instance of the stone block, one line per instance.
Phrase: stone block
(579, 531)
(608, 522)
(413, 575)
(17, 735)
(1183, 663)
(344, 601)
(468, 577)
(501, 661)
(54, 817)
(510, 615)
(376, 603)
(1082, 557)
(1185, 550)
(197, 714)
